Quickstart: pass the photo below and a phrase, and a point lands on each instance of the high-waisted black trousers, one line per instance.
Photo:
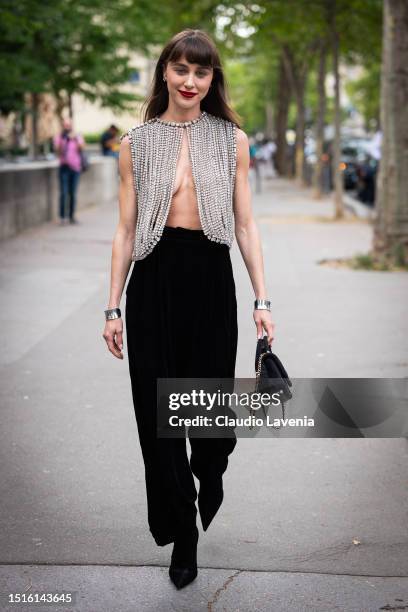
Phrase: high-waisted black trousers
(181, 322)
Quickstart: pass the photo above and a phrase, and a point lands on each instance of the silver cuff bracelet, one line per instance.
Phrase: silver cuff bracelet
(112, 313)
(262, 305)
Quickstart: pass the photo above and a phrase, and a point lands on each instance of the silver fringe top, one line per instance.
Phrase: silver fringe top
(155, 146)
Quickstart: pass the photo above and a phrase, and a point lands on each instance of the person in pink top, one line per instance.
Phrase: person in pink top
(68, 146)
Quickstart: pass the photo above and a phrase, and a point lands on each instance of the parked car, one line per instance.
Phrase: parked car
(357, 161)
(353, 154)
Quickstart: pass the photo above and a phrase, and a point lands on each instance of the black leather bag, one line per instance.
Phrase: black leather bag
(271, 376)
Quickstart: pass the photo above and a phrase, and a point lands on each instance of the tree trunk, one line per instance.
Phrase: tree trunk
(300, 130)
(60, 105)
(391, 225)
(337, 172)
(297, 75)
(70, 106)
(17, 129)
(34, 125)
(269, 131)
(321, 111)
(281, 120)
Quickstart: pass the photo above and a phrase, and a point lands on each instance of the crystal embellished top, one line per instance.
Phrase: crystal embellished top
(155, 146)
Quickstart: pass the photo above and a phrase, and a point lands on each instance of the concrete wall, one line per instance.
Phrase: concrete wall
(29, 192)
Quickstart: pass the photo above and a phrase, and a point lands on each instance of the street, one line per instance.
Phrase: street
(317, 524)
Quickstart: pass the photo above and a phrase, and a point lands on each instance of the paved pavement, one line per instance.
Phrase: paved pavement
(307, 524)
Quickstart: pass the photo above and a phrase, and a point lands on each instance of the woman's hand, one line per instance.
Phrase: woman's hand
(263, 321)
(113, 334)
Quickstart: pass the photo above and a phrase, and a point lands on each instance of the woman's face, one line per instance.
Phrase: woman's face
(181, 76)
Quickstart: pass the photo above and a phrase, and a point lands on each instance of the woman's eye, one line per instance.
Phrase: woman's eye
(200, 73)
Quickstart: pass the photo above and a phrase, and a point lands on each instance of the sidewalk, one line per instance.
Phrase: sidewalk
(73, 501)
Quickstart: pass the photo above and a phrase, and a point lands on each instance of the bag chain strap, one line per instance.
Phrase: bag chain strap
(258, 374)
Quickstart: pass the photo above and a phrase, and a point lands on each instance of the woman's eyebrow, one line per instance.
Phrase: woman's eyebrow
(186, 66)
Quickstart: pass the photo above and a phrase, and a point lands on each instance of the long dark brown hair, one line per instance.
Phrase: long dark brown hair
(198, 48)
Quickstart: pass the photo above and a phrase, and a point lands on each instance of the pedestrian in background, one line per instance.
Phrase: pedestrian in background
(254, 171)
(68, 147)
(268, 149)
(110, 143)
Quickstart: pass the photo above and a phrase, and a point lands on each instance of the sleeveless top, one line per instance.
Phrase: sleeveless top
(155, 147)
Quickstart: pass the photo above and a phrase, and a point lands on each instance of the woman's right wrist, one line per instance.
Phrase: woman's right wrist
(112, 313)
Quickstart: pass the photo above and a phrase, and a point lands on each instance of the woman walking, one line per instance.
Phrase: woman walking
(183, 184)
(68, 145)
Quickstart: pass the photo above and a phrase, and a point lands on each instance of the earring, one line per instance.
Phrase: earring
(164, 78)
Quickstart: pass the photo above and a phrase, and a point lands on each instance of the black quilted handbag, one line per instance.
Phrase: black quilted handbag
(271, 376)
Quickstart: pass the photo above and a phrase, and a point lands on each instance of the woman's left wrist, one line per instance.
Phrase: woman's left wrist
(262, 304)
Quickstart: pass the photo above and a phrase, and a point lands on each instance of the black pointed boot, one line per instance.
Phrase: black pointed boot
(210, 498)
(183, 568)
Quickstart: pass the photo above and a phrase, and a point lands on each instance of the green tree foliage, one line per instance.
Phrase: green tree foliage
(251, 86)
(67, 46)
(296, 26)
(365, 95)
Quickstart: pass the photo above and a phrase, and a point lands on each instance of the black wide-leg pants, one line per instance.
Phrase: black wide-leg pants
(181, 322)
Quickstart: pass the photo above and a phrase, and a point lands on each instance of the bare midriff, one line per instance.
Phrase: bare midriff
(183, 210)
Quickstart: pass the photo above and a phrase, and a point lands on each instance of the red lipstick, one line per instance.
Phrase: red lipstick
(187, 94)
